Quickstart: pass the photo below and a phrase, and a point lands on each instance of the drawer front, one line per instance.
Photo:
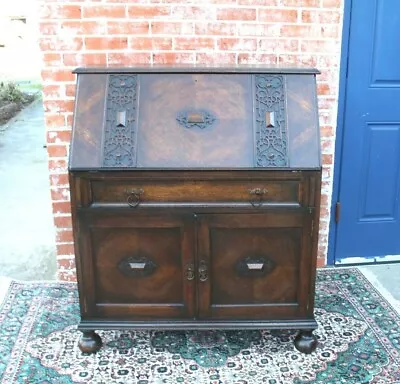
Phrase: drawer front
(247, 192)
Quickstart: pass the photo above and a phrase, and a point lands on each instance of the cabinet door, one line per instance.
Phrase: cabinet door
(255, 266)
(137, 267)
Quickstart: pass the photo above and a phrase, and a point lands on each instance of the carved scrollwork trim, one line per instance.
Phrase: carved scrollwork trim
(270, 121)
(255, 266)
(119, 149)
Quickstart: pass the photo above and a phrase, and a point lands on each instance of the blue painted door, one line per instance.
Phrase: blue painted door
(369, 224)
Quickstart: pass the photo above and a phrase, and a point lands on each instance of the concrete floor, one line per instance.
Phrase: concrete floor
(27, 248)
(386, 278)
(27, 235)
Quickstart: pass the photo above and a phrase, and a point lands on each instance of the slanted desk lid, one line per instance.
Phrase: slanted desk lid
(195, 119)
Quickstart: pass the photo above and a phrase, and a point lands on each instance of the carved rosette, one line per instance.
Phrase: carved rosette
(119, 148)
(270, 120)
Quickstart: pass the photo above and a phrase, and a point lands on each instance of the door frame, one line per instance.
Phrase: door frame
(340, 129)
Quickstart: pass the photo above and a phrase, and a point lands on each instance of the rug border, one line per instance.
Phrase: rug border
(374, 283)
(378, 287)
(6, 284)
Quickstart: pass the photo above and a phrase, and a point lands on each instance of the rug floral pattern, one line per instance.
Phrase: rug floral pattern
(358, 334)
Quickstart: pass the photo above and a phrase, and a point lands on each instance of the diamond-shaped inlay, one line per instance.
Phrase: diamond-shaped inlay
(270, 119)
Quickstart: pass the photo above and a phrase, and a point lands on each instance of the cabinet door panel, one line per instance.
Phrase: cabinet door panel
(139, 266)
(257, 265)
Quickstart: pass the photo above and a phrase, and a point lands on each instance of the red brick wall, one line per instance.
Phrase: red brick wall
(127, 32)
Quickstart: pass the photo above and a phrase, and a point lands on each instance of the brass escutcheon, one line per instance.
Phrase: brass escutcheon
(190, 272)
(203, 271)
(257, 196)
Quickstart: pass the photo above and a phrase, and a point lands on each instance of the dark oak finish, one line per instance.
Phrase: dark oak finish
(178, 222)
(166, 242)
(165, 191)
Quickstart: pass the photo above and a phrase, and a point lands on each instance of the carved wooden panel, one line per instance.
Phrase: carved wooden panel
(270, 121)
(120, 126)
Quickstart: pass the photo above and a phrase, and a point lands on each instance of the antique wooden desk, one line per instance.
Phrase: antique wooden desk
(195, 199)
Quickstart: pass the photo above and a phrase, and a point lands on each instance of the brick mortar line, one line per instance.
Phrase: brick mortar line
(132, 50)
(82, 4)
(182, 22)
(183, 35)
(319, 54)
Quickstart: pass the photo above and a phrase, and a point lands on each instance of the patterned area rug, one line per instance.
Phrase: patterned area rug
(359, 342)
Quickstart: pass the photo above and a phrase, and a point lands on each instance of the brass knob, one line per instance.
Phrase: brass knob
(203, 271)
(257, 196)
(190, 272)
(134, 196)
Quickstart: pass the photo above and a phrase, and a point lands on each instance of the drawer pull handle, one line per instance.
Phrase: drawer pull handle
(195, 118)
(255, 266)
(203, 271)
(134, 197)
(138, 266)
(199, 119)
(190, 272)
(257, 196)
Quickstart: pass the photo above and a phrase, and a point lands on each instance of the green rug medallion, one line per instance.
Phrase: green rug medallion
(358, 334)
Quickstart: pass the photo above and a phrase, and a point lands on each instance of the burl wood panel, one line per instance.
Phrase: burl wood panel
(163, 142)
(279, 246)
(224, 240)
(86, 143)
(197, 191)
(165, 243)
(302, 120)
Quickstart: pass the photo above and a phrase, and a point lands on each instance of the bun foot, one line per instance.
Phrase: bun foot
(305, 342)
(90, 342)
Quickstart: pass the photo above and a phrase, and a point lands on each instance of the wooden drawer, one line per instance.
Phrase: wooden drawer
(189, 192)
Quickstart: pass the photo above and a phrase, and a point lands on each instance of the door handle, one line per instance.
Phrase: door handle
(203, 271)
(189, 272)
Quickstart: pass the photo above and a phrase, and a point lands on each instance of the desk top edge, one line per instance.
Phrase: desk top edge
(221, 69)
